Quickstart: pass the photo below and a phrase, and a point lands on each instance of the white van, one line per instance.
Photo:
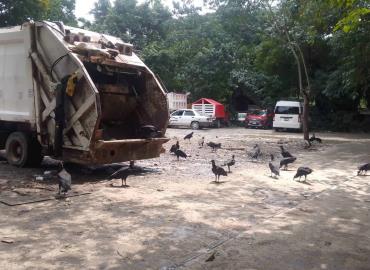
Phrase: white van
(288, 115)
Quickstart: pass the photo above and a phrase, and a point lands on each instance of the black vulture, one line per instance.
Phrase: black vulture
(175, 147)
(314, 138)
(285, 161)
(302, 171)
(285, 153)
(64, 180)
(230, 162)
(257, 152)
(363, 168)
(180, 153)
(214, 146)
(217, 171)
(201, 142)
(123, 173)
(189, 136)
(273, 167)
(149, 132)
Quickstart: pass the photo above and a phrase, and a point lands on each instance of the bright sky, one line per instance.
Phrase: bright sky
(83, 7)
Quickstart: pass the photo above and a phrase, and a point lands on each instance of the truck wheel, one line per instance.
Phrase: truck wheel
(194, 125)
(16, 148)
(21, 150)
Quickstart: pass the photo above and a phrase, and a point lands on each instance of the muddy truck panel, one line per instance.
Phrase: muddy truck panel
(77, 95)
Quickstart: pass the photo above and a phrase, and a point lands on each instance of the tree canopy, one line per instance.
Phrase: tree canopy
(16, 12)
(238, 47)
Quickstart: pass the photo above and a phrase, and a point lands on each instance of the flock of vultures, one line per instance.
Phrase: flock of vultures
(217, 168)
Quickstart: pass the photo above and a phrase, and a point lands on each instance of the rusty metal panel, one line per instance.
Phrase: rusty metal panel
(105, 152)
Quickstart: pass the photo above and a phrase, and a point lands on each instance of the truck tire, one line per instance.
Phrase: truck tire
(195, 125)
(21, 150)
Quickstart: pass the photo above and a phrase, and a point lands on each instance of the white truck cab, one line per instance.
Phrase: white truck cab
(288, 115)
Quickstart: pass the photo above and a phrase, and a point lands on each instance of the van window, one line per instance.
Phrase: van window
(286, 110)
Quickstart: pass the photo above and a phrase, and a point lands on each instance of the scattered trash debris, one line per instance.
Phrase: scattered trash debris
(306, 210)
(211, 257)
(47, 175)
(7, 240)
(327, 243)
(119, 254)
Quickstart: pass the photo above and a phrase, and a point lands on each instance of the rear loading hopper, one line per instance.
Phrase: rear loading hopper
(90, 99)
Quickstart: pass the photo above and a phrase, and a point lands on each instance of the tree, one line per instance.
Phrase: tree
(16, 12)
(61, 10)
(101, 10)
(133, 22)
(284, 23)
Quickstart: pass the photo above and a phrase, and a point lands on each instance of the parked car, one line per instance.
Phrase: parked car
(189, 118)
(288, 115)
(259, 118)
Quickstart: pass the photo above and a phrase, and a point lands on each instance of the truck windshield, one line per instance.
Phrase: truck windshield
(286, 110)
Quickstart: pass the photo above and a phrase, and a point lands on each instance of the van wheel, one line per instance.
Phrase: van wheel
(21, 150)
(194, 125)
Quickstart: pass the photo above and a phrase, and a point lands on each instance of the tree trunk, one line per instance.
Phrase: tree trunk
(305, 94)
(301, 63)
(306, 101)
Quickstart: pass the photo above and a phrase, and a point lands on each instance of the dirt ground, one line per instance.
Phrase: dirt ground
(176, 217)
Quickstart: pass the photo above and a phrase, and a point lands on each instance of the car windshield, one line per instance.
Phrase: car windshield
(286, 110)
(259, 113)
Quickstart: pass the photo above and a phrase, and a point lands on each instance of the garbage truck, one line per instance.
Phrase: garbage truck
(77, 96)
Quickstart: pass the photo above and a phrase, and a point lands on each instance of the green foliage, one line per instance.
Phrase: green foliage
(139, 24)
(16, 12)
(352, 20)
(355, 13)
(61, 10)
(239, 48)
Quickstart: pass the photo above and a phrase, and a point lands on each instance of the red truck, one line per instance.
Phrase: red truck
(211, 108)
